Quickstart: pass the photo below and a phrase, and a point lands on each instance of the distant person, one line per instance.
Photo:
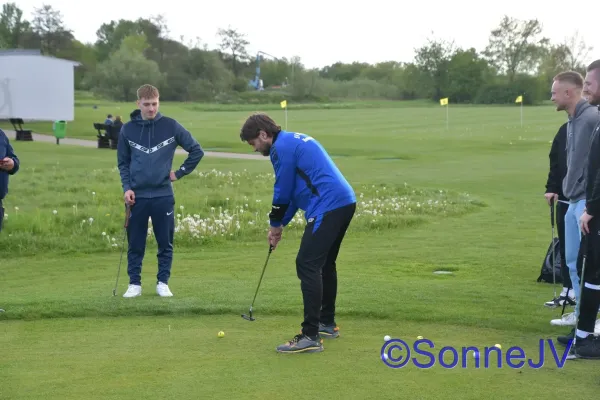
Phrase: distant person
(116, 127)
(145, 153)
(554, 195)
(118, 122)
(586, 344)
(9, 165)
(306, 178)
(108, 120)
(567, 90)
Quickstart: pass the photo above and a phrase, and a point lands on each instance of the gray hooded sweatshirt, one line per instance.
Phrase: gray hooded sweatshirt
(579, 134)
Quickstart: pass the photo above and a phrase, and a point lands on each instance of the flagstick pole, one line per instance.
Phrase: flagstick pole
(447, 117)
(286, 117)
(521, 112)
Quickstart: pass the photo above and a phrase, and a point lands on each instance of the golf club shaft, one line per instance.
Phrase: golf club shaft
(552, 220)
(127, 214)
(261, 276)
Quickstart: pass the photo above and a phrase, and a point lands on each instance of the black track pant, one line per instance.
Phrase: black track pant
(1, 215)
(561, 210)
(590, 299)
(316, 266)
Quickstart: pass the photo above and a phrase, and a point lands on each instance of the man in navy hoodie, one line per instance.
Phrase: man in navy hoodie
(306, 178)
(9, 165)
(145, 153)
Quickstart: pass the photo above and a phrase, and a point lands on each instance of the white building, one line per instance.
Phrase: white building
(36, 87)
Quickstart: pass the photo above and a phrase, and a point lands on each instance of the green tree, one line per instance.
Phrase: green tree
(123, 73)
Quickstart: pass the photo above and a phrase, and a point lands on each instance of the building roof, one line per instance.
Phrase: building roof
(33, 53)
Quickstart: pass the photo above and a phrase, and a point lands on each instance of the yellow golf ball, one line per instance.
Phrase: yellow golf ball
(221, 334)
(419, 337)
(498, 346)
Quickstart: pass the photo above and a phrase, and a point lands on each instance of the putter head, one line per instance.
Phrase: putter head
(248, 317)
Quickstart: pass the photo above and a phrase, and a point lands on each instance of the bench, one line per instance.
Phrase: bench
(103, 138)
(21, 134)
(108, 136)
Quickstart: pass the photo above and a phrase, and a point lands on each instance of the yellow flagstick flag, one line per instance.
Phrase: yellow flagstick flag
(283, 105)
(520, 100)
(444, 102)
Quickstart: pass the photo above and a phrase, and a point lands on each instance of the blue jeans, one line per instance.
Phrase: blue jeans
(572, 242)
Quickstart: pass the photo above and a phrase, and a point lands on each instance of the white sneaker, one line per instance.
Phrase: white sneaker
(566, 320)
(133, 291)
(163, 290)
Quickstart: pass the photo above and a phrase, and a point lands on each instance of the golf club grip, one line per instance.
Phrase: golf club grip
(127, 215)
(552, 218)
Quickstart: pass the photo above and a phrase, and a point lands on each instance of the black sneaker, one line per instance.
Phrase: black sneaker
(560, 301)
(329, 331)
(302, 344)
(588, 348)
(564, 340)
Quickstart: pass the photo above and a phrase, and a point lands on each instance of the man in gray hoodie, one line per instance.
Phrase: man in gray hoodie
(582, 119)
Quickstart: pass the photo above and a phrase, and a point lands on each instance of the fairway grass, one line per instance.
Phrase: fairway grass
(182, 358)
(64, 336)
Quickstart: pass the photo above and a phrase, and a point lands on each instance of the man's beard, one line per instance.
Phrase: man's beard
(266, 152)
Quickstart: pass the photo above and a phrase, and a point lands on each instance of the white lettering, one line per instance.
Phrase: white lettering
(153, 149)
(305, 139)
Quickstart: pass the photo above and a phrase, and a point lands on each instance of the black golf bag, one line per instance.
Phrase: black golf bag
(546, 271)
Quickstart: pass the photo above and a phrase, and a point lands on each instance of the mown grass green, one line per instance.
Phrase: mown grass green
(65, 336)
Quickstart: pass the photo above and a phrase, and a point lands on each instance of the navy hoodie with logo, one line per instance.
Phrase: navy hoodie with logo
(6, 150)
(145, 154)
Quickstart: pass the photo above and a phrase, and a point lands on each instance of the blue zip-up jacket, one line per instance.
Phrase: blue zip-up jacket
(300, 201)
(300, 162)
(145, 154)
(6, 150)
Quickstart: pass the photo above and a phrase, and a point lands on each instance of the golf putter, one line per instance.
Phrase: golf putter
(249, 316)
(127, 215)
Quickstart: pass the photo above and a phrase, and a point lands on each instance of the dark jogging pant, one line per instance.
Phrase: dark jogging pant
(561, 211)
(162, 212)
(316, 266)
(1, 214)
(590, 298)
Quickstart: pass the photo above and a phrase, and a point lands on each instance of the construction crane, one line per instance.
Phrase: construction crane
(257, 83)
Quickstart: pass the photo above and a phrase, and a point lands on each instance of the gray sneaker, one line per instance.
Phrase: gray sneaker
(329, 331)
(301, 344)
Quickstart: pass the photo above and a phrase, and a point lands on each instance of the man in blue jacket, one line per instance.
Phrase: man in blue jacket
(9, 165)
(306, 178)
(145, 153)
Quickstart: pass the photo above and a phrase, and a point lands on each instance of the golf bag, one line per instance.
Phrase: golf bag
(546, 271)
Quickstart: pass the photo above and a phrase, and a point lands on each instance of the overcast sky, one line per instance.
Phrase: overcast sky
(326, 31)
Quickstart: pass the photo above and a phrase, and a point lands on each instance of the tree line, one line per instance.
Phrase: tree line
(518, 60)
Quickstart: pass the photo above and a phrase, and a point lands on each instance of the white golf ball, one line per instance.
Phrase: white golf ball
(387, 337)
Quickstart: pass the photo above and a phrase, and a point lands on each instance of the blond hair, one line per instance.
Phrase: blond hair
(571, 77)
(147, 92)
